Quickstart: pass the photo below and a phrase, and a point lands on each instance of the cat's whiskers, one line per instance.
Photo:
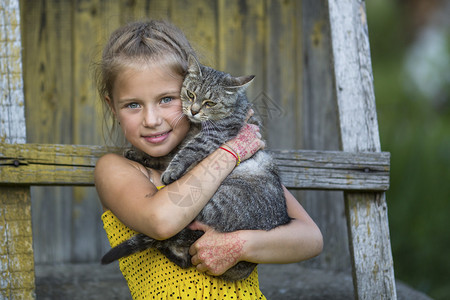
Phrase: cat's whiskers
(177, 119)
(213, 124)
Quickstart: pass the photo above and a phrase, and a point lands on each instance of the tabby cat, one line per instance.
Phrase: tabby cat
(251, 197)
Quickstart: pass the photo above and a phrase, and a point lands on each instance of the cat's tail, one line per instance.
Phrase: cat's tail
(137, 243)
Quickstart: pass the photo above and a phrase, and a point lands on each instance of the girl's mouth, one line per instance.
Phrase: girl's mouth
(158, 138)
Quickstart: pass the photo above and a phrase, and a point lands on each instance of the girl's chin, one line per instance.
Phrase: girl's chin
(156, 150)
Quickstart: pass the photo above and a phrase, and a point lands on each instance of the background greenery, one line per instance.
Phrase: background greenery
(415, 128)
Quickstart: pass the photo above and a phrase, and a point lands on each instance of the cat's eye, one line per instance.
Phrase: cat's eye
(190, 95)
(210, 103)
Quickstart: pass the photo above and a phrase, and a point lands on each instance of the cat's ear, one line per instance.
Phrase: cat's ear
(194, 66)
(244, 81)
(239, 83)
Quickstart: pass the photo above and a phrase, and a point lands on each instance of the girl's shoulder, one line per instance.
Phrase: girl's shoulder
(115, 174)
(112, 162)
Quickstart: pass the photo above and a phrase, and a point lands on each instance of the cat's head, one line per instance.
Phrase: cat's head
(208, 94)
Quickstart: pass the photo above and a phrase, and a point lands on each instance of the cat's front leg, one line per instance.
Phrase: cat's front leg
(185, 159)
(174, 171)
(190, 155)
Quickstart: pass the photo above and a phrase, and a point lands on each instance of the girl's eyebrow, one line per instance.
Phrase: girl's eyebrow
(172, 94)
(122, 100)
(159, 96)
(169, 93)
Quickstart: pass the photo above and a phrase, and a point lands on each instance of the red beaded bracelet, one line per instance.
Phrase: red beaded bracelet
(238, 159)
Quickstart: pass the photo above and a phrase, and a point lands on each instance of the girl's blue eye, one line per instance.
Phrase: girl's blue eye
(133, 105)
(166, 99)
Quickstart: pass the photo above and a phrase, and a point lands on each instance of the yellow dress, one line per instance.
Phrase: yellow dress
(150, 275)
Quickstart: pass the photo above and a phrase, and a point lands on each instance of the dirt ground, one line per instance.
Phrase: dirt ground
(286, 282)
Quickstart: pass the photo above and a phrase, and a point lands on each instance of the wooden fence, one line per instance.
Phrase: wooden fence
(314, 89)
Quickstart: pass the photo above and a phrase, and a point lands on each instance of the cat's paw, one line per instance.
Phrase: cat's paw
(168, 177)
(131, 154)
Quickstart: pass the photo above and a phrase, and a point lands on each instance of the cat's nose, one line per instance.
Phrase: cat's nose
(195, 109)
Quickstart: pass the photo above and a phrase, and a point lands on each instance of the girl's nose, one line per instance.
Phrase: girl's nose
(151, 118)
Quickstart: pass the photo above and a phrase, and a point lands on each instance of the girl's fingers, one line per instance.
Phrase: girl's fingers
(195, 261)
(201, 268)
(250, 113)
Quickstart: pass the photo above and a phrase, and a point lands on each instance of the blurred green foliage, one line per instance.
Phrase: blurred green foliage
(417, 133)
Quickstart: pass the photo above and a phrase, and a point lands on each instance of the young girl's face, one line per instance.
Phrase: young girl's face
(146, 101)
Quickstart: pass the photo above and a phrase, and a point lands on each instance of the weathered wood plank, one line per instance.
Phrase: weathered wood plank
(41, 164)
(364, 161)
(320, 131)
(49, 164)
(12, 122)
(136, 10)
(201, 29)
(48, 71)
(87, 26)
(283, 78)
(48, 81)
(366, 212)
(241, 45)
(16, 251)
(330, 170)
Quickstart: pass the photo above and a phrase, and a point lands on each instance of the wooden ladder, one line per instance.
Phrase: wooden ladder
(361, 170)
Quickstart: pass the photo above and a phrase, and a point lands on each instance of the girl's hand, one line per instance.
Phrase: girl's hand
(247, 142)
(214, 253)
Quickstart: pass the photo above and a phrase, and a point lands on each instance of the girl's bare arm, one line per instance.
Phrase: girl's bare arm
(299, 240)
(125, 189)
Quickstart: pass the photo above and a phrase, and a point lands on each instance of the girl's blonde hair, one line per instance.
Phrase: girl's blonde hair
(139, 43)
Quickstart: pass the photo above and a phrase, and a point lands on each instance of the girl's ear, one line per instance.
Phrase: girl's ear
(110, 104)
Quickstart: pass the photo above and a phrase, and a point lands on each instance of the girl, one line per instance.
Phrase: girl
(140, 78)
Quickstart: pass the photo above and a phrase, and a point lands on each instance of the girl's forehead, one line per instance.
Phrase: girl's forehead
(145, 79)
(151, 68)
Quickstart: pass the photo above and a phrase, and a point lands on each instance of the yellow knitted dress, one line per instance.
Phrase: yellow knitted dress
(150, 275)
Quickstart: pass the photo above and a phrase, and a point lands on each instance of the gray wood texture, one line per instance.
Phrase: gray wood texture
(12, 102)
(373, 272)
(320, 119)
(16, 251)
